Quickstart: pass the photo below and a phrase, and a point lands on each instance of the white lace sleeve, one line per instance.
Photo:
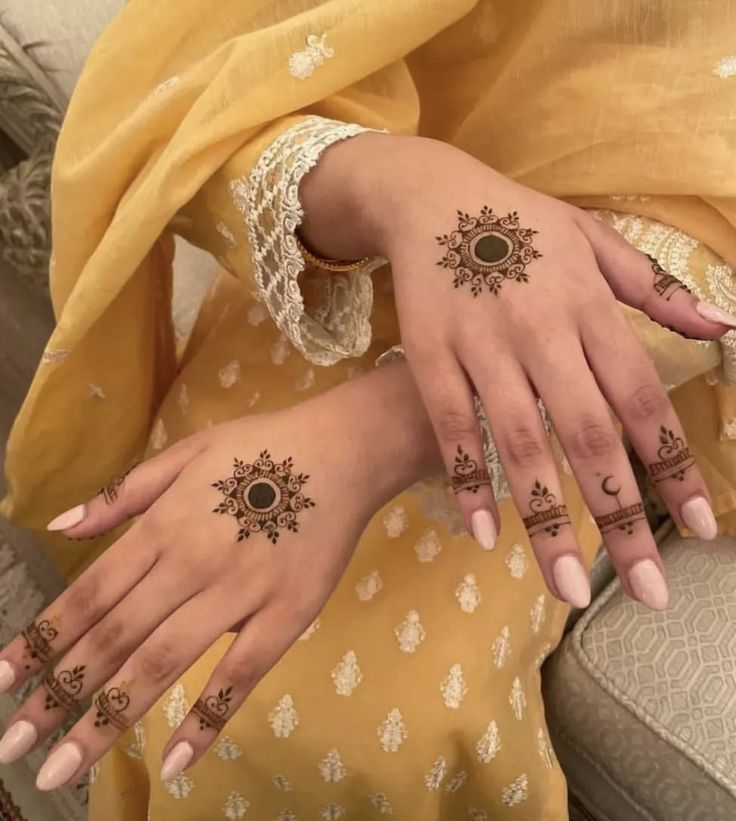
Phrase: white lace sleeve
(335, 324)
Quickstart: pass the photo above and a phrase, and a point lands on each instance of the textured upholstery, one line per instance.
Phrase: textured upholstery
(642, 705)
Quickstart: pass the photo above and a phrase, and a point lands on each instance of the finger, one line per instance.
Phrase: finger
(630, 382)
(130, 494)
(158, 662)
(96, 657)
(524, 451)
(639, 280)
(450, 406)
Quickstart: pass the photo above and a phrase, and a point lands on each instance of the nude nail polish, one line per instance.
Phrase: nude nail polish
(483, 528)
(177, 760)
(68, 518)
(713, 313)
(7, 676)
(698, 516)
(59, 767)
(648, 584)
(17, 741)
(571, 581)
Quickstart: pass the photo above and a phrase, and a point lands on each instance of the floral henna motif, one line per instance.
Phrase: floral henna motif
(111, 705)
(265, 497)
(62, 690)
(546, 515)
(38, 638)
(622, 519)
(212, 710)
(674, 457)
(487, 249)
(466, 474)
(665, 284)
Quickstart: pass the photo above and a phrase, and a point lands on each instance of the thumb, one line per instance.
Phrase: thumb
(130, 494)
(637, 279)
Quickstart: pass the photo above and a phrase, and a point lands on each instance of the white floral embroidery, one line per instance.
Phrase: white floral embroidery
(135, 750)
(226, 234)
(159, 437)
(516, 792)
(305, 382)
(176, 706)
(96, 390)
(544, 748)
(516, 561)
(256, 314)
(410, 633)
(381, 803)
(315, 625)
(283, 718)
(182, 399)
(227, 749)
(457, 780)
(392, 731)
(543, 653)
(280, 350)
(428, 546)
(726, 67)
(331, 767)
(489, 744)
(331, 811)
(395, 521)
(166, 85)
(346, 674)
(286, 815)
(303, 63)
(453, 687)
(536, 616)
(729, 428)
(229, 374)
(517, 699)
(468, 594)
(477, 814)
(501, 647)
(54, 355)
(369, 585)
(433, 779)
(252, 401)
(179, 787)
(282, 783)
(94, 773)
(235, 806)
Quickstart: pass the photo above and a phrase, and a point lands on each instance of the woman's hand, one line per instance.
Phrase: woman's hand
(510, 294)
(247, 526)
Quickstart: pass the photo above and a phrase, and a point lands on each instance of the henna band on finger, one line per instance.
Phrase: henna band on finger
(665, 284)
(63, 690)
(675, 458)
(110, 490)
(547, 516)
(38, 638)
(622, 519)
(111, 705)
(212, 711)
(466, 474)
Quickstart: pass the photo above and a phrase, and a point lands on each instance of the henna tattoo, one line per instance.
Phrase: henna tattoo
(264, 497)
(622, 519)
(466, 474)
(38, 638)
(485, 250)
(110, 490)
(674, 457)
(111, 705)
(212, 711)
(665, 284)
(547, 515)
(62, 690)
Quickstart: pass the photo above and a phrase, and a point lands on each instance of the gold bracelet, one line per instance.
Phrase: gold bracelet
(329, 264)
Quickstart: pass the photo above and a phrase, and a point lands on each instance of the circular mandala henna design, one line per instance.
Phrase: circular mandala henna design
(487, 249)
(265, 497)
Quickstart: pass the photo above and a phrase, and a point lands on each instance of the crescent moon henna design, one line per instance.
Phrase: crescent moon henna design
(62, 690)
(665, 284)
(212, 711)
(674, 457)
(38, 638)
(111, 705)
(547, 515)
(264, 497)
(466, 474)
(485, 250)
(621, 519)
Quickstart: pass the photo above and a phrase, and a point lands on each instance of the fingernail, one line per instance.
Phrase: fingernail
(68, 518)
(713, 313)
(649, 585)
(697, 515)
(59, 767)
(572, 581)
(483, 528)
(179, 757)
(7, 676)
(17, 741)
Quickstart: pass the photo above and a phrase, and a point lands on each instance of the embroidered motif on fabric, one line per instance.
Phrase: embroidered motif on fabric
(489, 745)
(229, 374)
(159, 437)
(305, 382)
(395, 521)
(256, 314)
(315, 625)
(516, 561)
(516, 792)
(226, 234)
(468, 594)
(286, 815)
(536, 616)
(457, 780)
(179, 787)
(331, 767)
(136, 748)
(517, 699)
(94, 773)
(283, 718)
(176, 706)
(453, 687)
(282, 783)
(280, 350)
(303, 63)
(428, 546)
(368, 586)
(227, 749)
(433, 779)
(331, 811)
(96, 390)
(235, 806)
(726, 67)
(381, 803)
(182, 399)
(392, 731)
(544, 748)
(54, 355)
(346, 675)
(410, 633)
(477, 814)
(501, 647)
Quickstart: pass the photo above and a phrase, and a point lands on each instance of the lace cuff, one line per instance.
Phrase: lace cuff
(328, 319)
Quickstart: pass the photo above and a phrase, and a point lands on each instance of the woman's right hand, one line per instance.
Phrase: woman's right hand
(510, 294)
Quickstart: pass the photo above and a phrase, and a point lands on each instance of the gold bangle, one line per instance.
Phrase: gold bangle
(338, 266)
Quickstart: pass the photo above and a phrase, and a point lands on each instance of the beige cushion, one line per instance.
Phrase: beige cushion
(642, 705)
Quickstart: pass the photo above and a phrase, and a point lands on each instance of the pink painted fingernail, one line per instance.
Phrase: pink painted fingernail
(59, 767)
(572, 581)
(179, 758)
(713, 313)
(483, 528)
(7, 676)
(68, 518)
(649, 585)
(17, 741)
(698, 516)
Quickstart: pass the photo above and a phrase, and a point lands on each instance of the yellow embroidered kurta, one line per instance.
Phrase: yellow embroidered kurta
(416, 692)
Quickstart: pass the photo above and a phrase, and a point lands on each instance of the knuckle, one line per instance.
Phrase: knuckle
(105, 641)
(158, 663)
(455, 426)
(593, 439)
(240, 672)
(83, 602)
(647, 402)
(524, 447)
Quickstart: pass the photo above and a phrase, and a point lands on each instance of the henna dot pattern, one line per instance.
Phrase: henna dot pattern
(485, 250)
(212, 710)
(547, 516)
(265, 496)
(467, 474)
